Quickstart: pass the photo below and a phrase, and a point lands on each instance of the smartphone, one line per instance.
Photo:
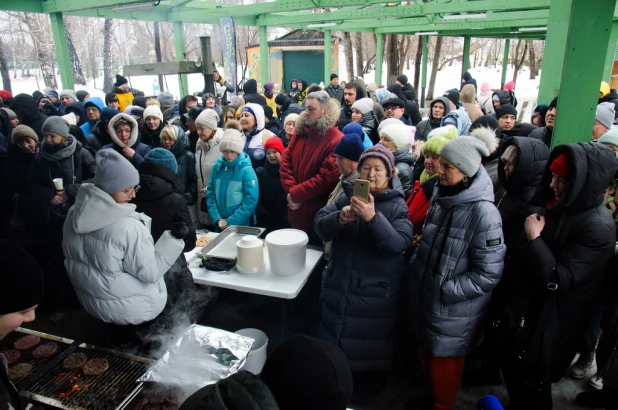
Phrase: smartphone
(361, 190)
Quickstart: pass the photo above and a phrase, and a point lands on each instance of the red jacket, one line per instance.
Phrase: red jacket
(418, 204)
(309, 174)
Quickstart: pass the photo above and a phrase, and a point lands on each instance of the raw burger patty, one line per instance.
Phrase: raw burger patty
(74, 361)
(95, 367)
(12, 356)
(45, 351)
(19, 371)
(27, 342)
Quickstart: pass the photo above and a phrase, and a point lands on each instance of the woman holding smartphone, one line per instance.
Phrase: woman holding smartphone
(361, 283)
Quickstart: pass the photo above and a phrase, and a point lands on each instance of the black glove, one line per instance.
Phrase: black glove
(50, 108)
(180, 230)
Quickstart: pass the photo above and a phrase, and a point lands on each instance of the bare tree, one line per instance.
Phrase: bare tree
(347, 51)
(417, 62)
(40, 38)
(107, 55)
(517, 61)
(358, 40)
(434, 67)
(76, 65)
(4, 69)
(157, 45)
(392, 61)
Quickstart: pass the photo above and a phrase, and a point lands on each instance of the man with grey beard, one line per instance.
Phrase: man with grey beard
(308, 169)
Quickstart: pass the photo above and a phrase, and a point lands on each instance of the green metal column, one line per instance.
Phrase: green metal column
(264, 74)
(465, 66)
(587, 36)
(62, 50)
(505, 61)
(327, 57)
(424, 69)
(555, 45)
(379, 57)
(611, 53)
(179, 43)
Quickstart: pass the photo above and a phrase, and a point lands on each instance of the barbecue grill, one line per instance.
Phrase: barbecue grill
(49, 383)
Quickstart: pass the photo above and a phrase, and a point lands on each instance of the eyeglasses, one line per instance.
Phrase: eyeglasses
(391, 108)
(133, 190)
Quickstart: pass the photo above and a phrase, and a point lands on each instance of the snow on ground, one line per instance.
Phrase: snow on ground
(449, 77)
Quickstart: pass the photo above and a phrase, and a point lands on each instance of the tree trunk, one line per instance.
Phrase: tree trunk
(4, 69)
(349, 58)
(76, 65)
(417, 63)
(533, 70)
(518, 62)
(157, 45)
(358, 39)
(107, 55)
(392, 63)
(40, 38)
(434, 67)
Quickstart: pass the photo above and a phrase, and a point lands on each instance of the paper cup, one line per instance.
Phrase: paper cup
(58, 184)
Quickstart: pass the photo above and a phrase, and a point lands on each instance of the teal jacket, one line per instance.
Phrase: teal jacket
(232, 192)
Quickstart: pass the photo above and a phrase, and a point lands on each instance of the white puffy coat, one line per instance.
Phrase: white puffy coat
(113, 263)
(206, 156)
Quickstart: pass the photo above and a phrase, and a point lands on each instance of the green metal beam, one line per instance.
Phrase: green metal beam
(62, 50)
(555, 46)
(379, 57)
(611, 53)
(50, 6)
(328, 43)
(27, 6)
(179, 44)
(589, 29)
(264, 73)
(150, 15)
(424, 72)
(479, 27)
(466, 55)
(505, 61)
(419, 10)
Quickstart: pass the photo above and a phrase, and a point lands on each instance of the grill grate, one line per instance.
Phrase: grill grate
(106, 391)
(26, 355)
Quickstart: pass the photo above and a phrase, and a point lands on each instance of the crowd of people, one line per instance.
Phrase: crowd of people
(473, 230)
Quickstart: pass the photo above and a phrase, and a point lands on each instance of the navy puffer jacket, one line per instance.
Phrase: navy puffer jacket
(186, 184)
(456, 266)
(362, 282)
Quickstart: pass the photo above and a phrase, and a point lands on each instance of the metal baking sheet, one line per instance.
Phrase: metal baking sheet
(224, 245)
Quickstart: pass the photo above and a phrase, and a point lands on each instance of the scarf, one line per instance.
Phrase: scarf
(426, 177)
(59, 152)
(382, 188)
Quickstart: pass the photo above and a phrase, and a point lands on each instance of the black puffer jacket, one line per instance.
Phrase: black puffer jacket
(513, 199)
(346, 111)
(369, 122)
(573, 250)
(99, 137)
(28, 112)
(467, 79)
(251, 95)
(285, 102)
(404, 162)
(152, 138)
(409, 93)
(5, 129)
(362, 281)
(187, 178)
(412, 110)
(426, 126)
(504, 95)
(520, 129)
(542, 133)
(272, 208)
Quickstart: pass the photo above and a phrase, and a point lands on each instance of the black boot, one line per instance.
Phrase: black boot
(593, 399)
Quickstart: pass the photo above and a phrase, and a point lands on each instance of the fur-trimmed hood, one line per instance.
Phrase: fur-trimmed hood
(325, 122)
(488, 137)
(112, 131)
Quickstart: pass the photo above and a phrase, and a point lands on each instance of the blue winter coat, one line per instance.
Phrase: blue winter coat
(456, 266)
(232, 192)
(362, 282)
(89, 125)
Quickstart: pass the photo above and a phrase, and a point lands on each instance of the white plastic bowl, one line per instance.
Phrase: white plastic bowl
(287, 251)
(257, 356)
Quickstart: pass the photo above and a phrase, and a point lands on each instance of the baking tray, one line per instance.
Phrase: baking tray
(224, 245)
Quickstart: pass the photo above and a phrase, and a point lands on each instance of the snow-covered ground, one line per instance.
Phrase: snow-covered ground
(449, 77)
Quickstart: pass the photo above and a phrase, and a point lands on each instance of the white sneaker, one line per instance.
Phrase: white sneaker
(582, 365)
(596, 382)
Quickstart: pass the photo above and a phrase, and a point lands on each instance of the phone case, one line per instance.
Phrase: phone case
(361, 190)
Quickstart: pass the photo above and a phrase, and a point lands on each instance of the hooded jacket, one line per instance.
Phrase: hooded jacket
(426, 126)
(125, 98)
(140, 149)
(254, 140)
(572, 251)
(186, 182)
(404, 162)
(302, 95)
(513, 200)
(308, 170)
(462, 119)
(542, 133)
(520, 129)
(88, 126)
(412, 110)
(467, 79)
(30, 114)
(182, 104)
(485, 100)
(293, 93)
(505, 97)
(455, 268)
(272, 208)
(232, 192)
(468, 98)
(285, 102)
(250, 93)
(362, 282)
(409, 93)
(99, 137)
(207, 154)
(113, 263)
(152, 138)
(171, 114)
(346, 110)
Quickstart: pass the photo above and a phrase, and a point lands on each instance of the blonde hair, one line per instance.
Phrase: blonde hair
(510, 155)
(234, 125)
(153, 101)
(170, 132)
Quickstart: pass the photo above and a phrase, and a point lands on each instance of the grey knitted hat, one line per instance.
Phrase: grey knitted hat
(166, 99)
(9, 112)
(465, 153)
(364, 105)
(69, 93)
(57, 125)
(208, 118)
(605, 114)
(231, 141)
(114, 172)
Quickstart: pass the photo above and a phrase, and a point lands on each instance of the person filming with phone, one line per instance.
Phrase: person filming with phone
(369, 229)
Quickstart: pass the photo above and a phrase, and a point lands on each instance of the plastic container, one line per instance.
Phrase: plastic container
(250, 252)
(257, 356)
(287, 251)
